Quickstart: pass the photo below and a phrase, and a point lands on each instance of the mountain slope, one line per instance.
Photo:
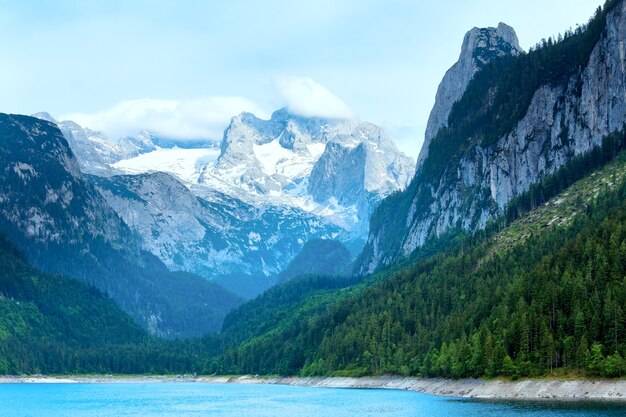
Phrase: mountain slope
(246, 209)
(64, 226)
(507, 304)
(41, 313)
(241, 246)
(319, 257)
(520, 118)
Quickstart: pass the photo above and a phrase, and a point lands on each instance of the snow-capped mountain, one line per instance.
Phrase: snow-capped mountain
(335, 168)
(242, 211)
(63, 225)
(94, 151)
(338, 169)
(236, 244)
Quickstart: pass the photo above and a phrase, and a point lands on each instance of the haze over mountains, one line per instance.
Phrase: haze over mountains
(237, 214)
(500, 252)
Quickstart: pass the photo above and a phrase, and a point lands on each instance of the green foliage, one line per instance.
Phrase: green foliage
(52, 324)
(318, 257)
(554, 301)
(278, 304)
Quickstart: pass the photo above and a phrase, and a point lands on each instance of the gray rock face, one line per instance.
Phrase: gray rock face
(325, 184)
(359, 169)
(331, 162)
(42, 193)
(480, 46)
(216, 236)
(129, 146)
(276, 184)
(94, 151)
(560, 123)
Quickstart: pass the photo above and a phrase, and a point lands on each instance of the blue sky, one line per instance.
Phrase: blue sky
(185, 67)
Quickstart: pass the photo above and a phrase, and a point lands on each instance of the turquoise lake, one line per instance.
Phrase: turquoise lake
(196, 399)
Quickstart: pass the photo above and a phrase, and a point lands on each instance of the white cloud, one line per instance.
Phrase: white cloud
(305, 97)
(199, 118)
(207, 117)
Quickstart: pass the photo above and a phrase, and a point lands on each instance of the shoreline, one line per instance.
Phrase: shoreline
(531, 390)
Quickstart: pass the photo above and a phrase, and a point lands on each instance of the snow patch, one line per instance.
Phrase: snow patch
(253, 237)
(270, 154)
(186, 164)
(316, 149)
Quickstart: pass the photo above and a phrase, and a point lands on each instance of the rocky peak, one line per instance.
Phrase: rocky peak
(480, 46)
(45, 116)
(477, 178)
(243, 131)
(507, 33)
(323, 165)
(130, 146)
(346, 188)
(359, 169)
(94, 151)
(263, 152)
(292, 131)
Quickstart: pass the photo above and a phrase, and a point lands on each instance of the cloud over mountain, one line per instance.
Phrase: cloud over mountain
(306, 97)
(207, 117)
(198, 118)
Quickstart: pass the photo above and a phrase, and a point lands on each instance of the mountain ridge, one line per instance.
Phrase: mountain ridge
(65, 226)
(496, 145)
(293, 169)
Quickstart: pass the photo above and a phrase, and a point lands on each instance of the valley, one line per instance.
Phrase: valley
(309, 249)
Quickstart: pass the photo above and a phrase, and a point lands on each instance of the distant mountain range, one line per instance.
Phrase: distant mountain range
(238, 213)
(64, 225)
(504, 256)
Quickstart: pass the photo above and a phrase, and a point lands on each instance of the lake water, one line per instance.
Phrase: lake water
(196, 399)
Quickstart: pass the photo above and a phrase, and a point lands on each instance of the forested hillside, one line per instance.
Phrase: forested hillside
(53, 325)
(45, 318)
(506, 303)
(62, 225)
(520, 119)
(318, 257)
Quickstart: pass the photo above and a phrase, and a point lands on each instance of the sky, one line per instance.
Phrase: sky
(183, 68)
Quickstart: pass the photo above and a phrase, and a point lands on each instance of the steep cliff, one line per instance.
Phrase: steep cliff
(338, 169)
(519, 119)
(480, 46)
(63, 225)
(241, 246)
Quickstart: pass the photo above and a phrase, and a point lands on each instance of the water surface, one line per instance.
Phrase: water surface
(198, 399)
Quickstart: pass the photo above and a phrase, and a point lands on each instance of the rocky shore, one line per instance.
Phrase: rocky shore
(474, 388)
(614, 390)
